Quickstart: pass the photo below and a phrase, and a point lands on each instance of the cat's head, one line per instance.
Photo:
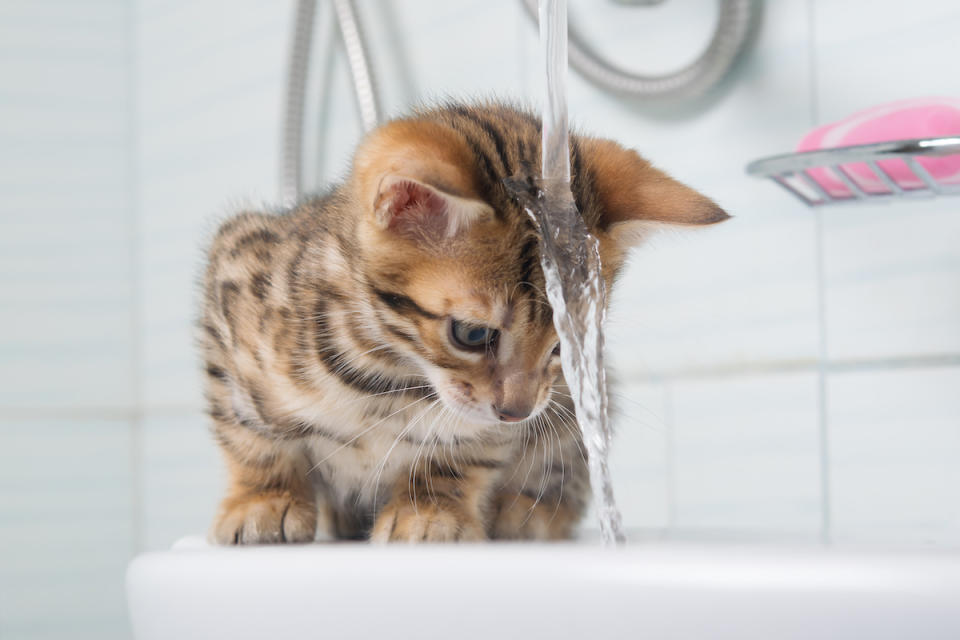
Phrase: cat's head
(454, 261)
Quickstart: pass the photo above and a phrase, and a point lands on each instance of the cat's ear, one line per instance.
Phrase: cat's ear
(418, 179)
(418, 211)
(635, 197)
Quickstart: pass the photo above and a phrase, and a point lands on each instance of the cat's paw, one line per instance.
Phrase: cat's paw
(425, 523)
(265, 518)
(520, 517)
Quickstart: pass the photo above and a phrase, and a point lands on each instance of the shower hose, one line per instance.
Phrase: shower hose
(734, 24)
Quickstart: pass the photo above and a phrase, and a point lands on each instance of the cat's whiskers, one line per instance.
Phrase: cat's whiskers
(615, 409)
(429, 438)
(365, 397)
(411, 475)
(563, 470)
(547, 468)
(558, 407)
(526, 441)
(367, 430)
(402, 433)
(523, 457)
(538, 425)
(443, 420)
(543, 476)
(437, 453)
(450, 448)
(572, 427)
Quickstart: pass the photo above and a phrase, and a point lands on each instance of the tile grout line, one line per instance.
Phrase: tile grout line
(812, 61)
(822, 388)
(921, 362)
(850, 365)
(670, 452)
(822, 346)
(97, 412)
(136, 281)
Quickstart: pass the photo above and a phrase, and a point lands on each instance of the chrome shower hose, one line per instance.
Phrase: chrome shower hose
(736, 18)
(735, 22)
(364, 86)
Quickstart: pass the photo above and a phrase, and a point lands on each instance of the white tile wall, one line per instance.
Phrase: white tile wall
(65, 250)
(66, 527)
(147, 120)
(891, 280)
(875, 52)
(183, 477)
(67, 344)
(747, 454)
(447, 60)
(641, 455)
(894, 447)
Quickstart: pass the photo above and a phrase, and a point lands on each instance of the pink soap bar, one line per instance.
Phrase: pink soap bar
(901, 120)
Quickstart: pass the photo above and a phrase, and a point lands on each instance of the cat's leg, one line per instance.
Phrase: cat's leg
(545, 493)
(439, 504)
(524, 516)
(270, 498)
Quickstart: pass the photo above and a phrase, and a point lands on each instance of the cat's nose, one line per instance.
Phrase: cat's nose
(512, 414)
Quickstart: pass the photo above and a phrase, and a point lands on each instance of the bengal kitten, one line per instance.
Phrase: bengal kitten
(381, 360)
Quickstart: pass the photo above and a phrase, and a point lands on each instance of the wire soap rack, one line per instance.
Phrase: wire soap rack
(854, 174)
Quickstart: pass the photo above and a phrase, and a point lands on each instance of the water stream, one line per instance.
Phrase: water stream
(571, 266)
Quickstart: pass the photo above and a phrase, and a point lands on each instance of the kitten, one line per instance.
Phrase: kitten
(381, 361)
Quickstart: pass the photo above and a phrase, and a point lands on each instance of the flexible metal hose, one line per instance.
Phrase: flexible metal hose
(736, 18)
(291, 157)
(733, 29)
(291, 152)
(364, 86)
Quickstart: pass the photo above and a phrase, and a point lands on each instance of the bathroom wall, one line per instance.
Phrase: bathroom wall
(68, 346)
(789, 375)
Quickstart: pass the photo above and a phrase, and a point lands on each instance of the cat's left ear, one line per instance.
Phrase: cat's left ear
(635, 196)
(419, 211)
(419, 178)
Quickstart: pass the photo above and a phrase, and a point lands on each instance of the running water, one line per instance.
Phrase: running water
(571, 266)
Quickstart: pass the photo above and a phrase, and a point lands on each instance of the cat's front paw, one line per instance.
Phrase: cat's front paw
(428, 522)
(265, 518)
(520, 517)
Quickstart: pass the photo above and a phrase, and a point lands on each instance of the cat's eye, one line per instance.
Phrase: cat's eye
(472, 337)
(556, 350)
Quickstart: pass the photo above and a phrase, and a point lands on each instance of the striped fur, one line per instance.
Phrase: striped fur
(334, 391)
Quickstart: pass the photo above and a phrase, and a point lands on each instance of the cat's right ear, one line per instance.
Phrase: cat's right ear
(418, 180)
(635, 197)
